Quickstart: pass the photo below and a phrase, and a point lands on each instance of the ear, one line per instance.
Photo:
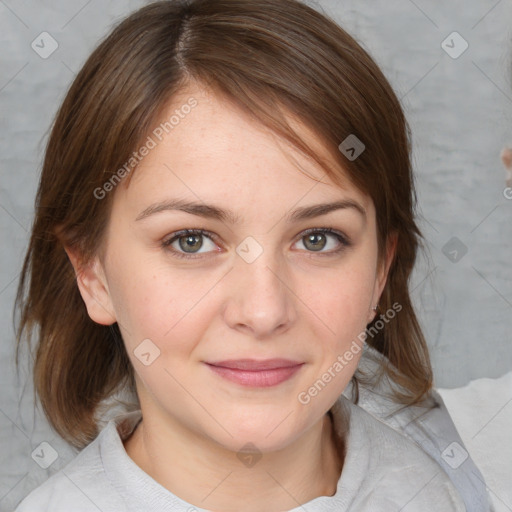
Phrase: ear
(383, 271)
(93, 287)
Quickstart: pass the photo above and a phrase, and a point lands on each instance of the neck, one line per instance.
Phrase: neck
(209, 476)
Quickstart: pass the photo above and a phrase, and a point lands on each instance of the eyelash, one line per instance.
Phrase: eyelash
(166, 244)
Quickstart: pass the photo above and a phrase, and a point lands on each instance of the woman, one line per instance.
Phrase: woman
(225, 226)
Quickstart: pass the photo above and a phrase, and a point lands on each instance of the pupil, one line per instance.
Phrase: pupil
(314, 238)
(191, 242)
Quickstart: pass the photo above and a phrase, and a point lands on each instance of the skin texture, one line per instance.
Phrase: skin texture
(292, 302)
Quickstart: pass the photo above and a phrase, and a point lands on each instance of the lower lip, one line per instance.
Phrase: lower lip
(257, 379)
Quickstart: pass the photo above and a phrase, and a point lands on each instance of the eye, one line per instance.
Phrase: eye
(189, 242)
(317, 239)
(186, 243)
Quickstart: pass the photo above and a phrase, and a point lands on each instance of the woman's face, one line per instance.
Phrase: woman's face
(261, 282)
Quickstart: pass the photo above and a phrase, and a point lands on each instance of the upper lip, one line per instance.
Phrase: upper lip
(255, 365)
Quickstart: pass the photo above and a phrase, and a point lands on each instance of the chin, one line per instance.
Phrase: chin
(267, 435)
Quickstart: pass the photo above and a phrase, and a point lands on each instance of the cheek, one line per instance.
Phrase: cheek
(344, 300)
(167, 307)
(155, 322)
(146, 300)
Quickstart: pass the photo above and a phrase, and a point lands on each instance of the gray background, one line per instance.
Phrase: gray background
(460, 113)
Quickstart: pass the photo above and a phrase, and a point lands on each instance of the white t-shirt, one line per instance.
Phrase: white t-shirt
(383, 471)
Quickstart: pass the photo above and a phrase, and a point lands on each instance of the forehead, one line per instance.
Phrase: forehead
(203, 144)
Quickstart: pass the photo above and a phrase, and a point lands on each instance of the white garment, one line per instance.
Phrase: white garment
(383, 471)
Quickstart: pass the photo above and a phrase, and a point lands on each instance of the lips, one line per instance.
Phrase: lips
(256, 374)
(255, 365)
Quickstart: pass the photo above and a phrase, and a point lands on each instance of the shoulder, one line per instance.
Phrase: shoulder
(81, 486)
(428, 425)
(387, 471)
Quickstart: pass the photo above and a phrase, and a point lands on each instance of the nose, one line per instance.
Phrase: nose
(259, 297)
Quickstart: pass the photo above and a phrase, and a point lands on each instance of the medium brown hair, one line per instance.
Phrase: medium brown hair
(269, 57)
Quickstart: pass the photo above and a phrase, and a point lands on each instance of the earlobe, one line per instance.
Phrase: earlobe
(93, 287)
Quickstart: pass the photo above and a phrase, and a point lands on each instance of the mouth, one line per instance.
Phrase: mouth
(253, 373)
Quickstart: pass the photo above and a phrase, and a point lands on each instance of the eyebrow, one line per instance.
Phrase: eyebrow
(214, 212)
